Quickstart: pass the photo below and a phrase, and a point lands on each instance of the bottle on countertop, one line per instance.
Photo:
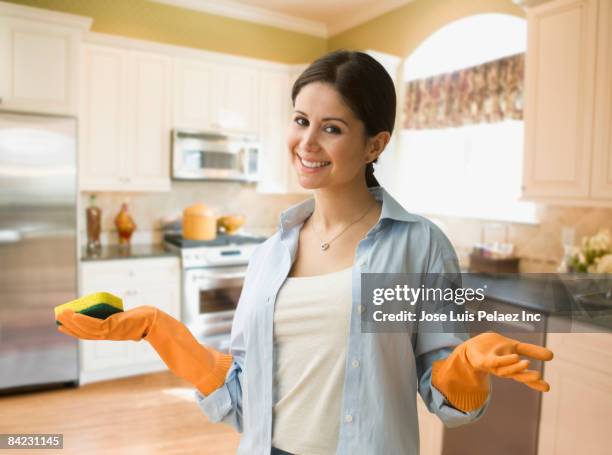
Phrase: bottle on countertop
(94, 221)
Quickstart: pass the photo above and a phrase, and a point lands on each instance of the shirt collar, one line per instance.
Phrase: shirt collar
(391, 209)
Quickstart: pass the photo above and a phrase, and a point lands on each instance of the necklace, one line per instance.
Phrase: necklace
(325, 245)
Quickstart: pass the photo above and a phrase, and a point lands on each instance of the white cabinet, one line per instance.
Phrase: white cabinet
(193, 95)
(567, 103)
(277, 174)
(39, 60)
(235, 92)
(575, 415)
(601, 184)
(214, 96)
(138, 282)
(431, 430)
(125, 120)
(275, 104)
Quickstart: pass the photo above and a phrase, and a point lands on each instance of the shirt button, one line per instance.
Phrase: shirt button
(362, 262)
(355, 363)
(348, 418)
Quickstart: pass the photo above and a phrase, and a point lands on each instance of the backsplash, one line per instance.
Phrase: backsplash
(262, 211)
(538, 245)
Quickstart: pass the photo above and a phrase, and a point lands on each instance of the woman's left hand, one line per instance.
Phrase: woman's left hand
(463, 376)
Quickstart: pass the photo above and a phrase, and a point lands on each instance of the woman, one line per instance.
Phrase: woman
(301, 377)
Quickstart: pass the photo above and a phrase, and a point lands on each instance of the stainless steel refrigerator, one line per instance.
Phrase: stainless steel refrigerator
(38, 255)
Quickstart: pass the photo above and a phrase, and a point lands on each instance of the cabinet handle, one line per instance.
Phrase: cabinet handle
(1, 100)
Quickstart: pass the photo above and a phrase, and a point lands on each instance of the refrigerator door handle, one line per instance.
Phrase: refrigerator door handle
(9, 236)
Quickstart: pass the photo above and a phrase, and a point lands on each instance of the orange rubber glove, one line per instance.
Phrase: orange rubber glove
(202, 366)
(463, 377)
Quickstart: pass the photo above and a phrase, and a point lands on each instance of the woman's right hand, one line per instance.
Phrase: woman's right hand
(202, 366)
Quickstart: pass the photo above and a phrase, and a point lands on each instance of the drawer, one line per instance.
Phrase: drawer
(593, 350)
(129, 272)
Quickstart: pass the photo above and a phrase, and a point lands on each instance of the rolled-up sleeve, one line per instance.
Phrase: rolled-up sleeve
(433, 398)
(432, 346)
(224, 405)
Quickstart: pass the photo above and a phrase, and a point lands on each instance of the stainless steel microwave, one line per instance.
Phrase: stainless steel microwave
(200, 155)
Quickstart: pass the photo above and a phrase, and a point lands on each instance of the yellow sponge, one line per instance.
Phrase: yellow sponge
(97, 305)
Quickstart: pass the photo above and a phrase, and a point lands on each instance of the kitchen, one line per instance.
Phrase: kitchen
(134, 76)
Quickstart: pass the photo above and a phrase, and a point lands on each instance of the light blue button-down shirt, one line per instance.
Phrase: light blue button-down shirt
(379, 407)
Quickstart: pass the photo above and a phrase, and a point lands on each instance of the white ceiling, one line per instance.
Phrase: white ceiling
(322, 18)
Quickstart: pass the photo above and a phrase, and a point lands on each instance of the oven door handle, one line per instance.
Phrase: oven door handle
(223, 276)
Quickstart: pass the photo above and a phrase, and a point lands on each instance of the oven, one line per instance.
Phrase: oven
(209, 301)
(212, 275)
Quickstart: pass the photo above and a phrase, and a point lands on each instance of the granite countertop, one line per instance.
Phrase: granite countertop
(550, 294)
(112, 252)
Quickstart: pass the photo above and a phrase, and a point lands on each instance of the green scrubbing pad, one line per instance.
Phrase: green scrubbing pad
(97, 305)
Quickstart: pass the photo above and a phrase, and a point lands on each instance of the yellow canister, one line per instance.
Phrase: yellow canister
(199, 223)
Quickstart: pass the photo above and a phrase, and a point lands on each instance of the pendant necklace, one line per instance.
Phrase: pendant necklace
(325, 245)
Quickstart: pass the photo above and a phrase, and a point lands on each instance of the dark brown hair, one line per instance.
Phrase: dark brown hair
(364, 85)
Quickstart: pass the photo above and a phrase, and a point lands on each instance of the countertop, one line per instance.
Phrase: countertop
(550, 294)
(112, 252)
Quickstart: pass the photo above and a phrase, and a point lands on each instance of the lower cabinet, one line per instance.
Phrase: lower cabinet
(576, 412)
(154, 282)
(431, 430)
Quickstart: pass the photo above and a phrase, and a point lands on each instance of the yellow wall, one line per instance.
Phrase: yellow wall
(152, 21)
(400, 31)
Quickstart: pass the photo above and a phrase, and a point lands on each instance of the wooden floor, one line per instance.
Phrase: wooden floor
(149, 414)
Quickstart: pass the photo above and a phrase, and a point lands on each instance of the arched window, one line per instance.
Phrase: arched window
(474, 170)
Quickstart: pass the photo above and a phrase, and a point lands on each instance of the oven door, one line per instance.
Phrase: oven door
(210, 299)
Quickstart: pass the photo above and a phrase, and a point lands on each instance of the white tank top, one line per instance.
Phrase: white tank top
(311, 329)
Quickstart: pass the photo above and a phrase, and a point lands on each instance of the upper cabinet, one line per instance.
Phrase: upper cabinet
(193, 94)
(601, 183)
(39, 59)
(212, 96)
(275, 102)
(568, 152)
(125, 120)
(235, 92)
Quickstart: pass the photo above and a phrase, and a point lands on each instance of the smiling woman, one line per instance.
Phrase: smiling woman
(301, 376)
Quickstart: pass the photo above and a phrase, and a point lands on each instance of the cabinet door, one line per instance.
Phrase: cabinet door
(166, 299)
(38, 67)
(104, 105)
(575, 416)
(560, 69)
(274, 164)
(235, 98)
(149, 122)
(601, 185)
(192, 95)
(430, 430)
(103, 354)
(138, 282)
